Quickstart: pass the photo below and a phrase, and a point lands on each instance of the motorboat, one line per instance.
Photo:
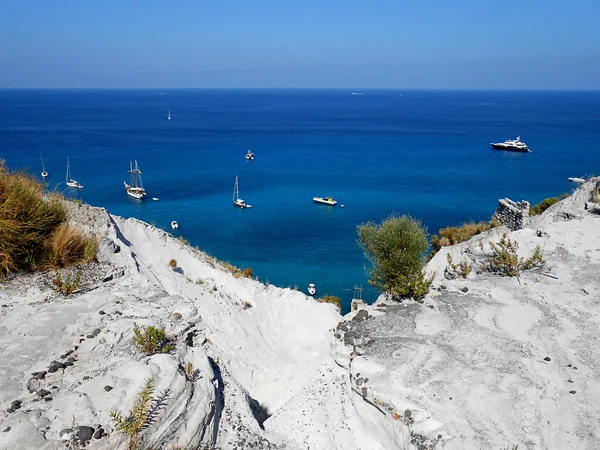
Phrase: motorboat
(325, 201)
(174, 225)
(249, 156)
(155, 199)
(312, 289)
(576, 179)
(237, 201)
(44, 173)
(514, 145)
(70, 181)
(136, 188)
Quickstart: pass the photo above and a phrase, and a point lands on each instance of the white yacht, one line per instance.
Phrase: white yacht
(174, 225)
(515, 145)
(312, 289)
(237, 201)
(249, 156)
(325, 201)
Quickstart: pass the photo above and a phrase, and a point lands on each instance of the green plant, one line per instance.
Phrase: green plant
(191, 374)
(505, 261)
(199, 281)
(545, 204)
(246, 305)
(330, 299)
(67, 286)
(214, 288)
(173, 263)
(462, 268)
(395, 249)
(150, 340)
(143, 414)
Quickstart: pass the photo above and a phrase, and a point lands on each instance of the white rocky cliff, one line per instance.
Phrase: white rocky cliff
(483, 362)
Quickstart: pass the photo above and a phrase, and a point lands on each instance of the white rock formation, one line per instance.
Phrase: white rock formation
(483, 362)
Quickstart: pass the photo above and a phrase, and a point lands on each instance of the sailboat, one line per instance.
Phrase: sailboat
(44, 173)
(169, 115)
(70, 181)
(237, 201)
(136, 188)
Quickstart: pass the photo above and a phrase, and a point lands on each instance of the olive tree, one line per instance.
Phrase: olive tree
(396, 250)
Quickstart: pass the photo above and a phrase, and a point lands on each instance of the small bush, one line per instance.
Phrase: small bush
(246, 305)
(143, 414)
(396, 249)
(545, 204)
(454, 235)
(173, 263)
(596, 193)
(67, 286)
(331, 299)
(199, 281)
(462, 268)
(150, 340)
(505, 261)
(247, 272)
(191, 374)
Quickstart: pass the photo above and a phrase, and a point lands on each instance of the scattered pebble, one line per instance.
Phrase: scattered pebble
(572, 392)
(108, 388)
(547, 358)
(465, 289)
(6, 430)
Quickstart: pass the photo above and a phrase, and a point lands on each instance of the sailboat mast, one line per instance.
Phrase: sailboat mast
(138, 173)
(67, 176)
(236, 192)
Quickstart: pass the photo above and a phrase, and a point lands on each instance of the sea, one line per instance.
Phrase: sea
(377, 152)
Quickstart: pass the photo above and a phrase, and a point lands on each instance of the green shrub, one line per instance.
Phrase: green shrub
(505, 261)
(462, 268)
(150, 340)
(545, 204)
(330, 299)
(67, 286)
(395, 249)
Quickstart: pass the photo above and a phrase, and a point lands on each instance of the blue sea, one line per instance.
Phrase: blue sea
(423, 153)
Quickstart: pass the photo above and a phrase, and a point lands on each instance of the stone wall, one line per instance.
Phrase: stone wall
(511, 214)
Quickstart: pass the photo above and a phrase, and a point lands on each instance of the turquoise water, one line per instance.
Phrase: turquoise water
(424, 153)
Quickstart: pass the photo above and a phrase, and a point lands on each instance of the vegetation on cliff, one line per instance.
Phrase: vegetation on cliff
(34, 234)
(396, 250)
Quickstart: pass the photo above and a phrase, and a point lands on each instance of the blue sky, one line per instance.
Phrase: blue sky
(464, 44)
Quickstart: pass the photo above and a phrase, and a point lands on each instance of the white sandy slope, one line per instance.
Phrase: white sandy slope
(511, 361)
(277, 353)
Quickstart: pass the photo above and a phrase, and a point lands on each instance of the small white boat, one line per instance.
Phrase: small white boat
(155, 199)
(44, 173)
(174, 225)
(169, 115)
(70, 181)
(576, 179)
(237, 201)
(325, 201)
(249, 155)
(136, 188)
(312, 289)
(514, 145)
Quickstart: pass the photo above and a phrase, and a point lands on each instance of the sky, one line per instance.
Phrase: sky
(397, 44)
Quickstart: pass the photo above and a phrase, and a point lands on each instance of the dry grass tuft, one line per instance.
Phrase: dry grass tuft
(453, 235)
(330, 299)
(68, 245)
(173, 263)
